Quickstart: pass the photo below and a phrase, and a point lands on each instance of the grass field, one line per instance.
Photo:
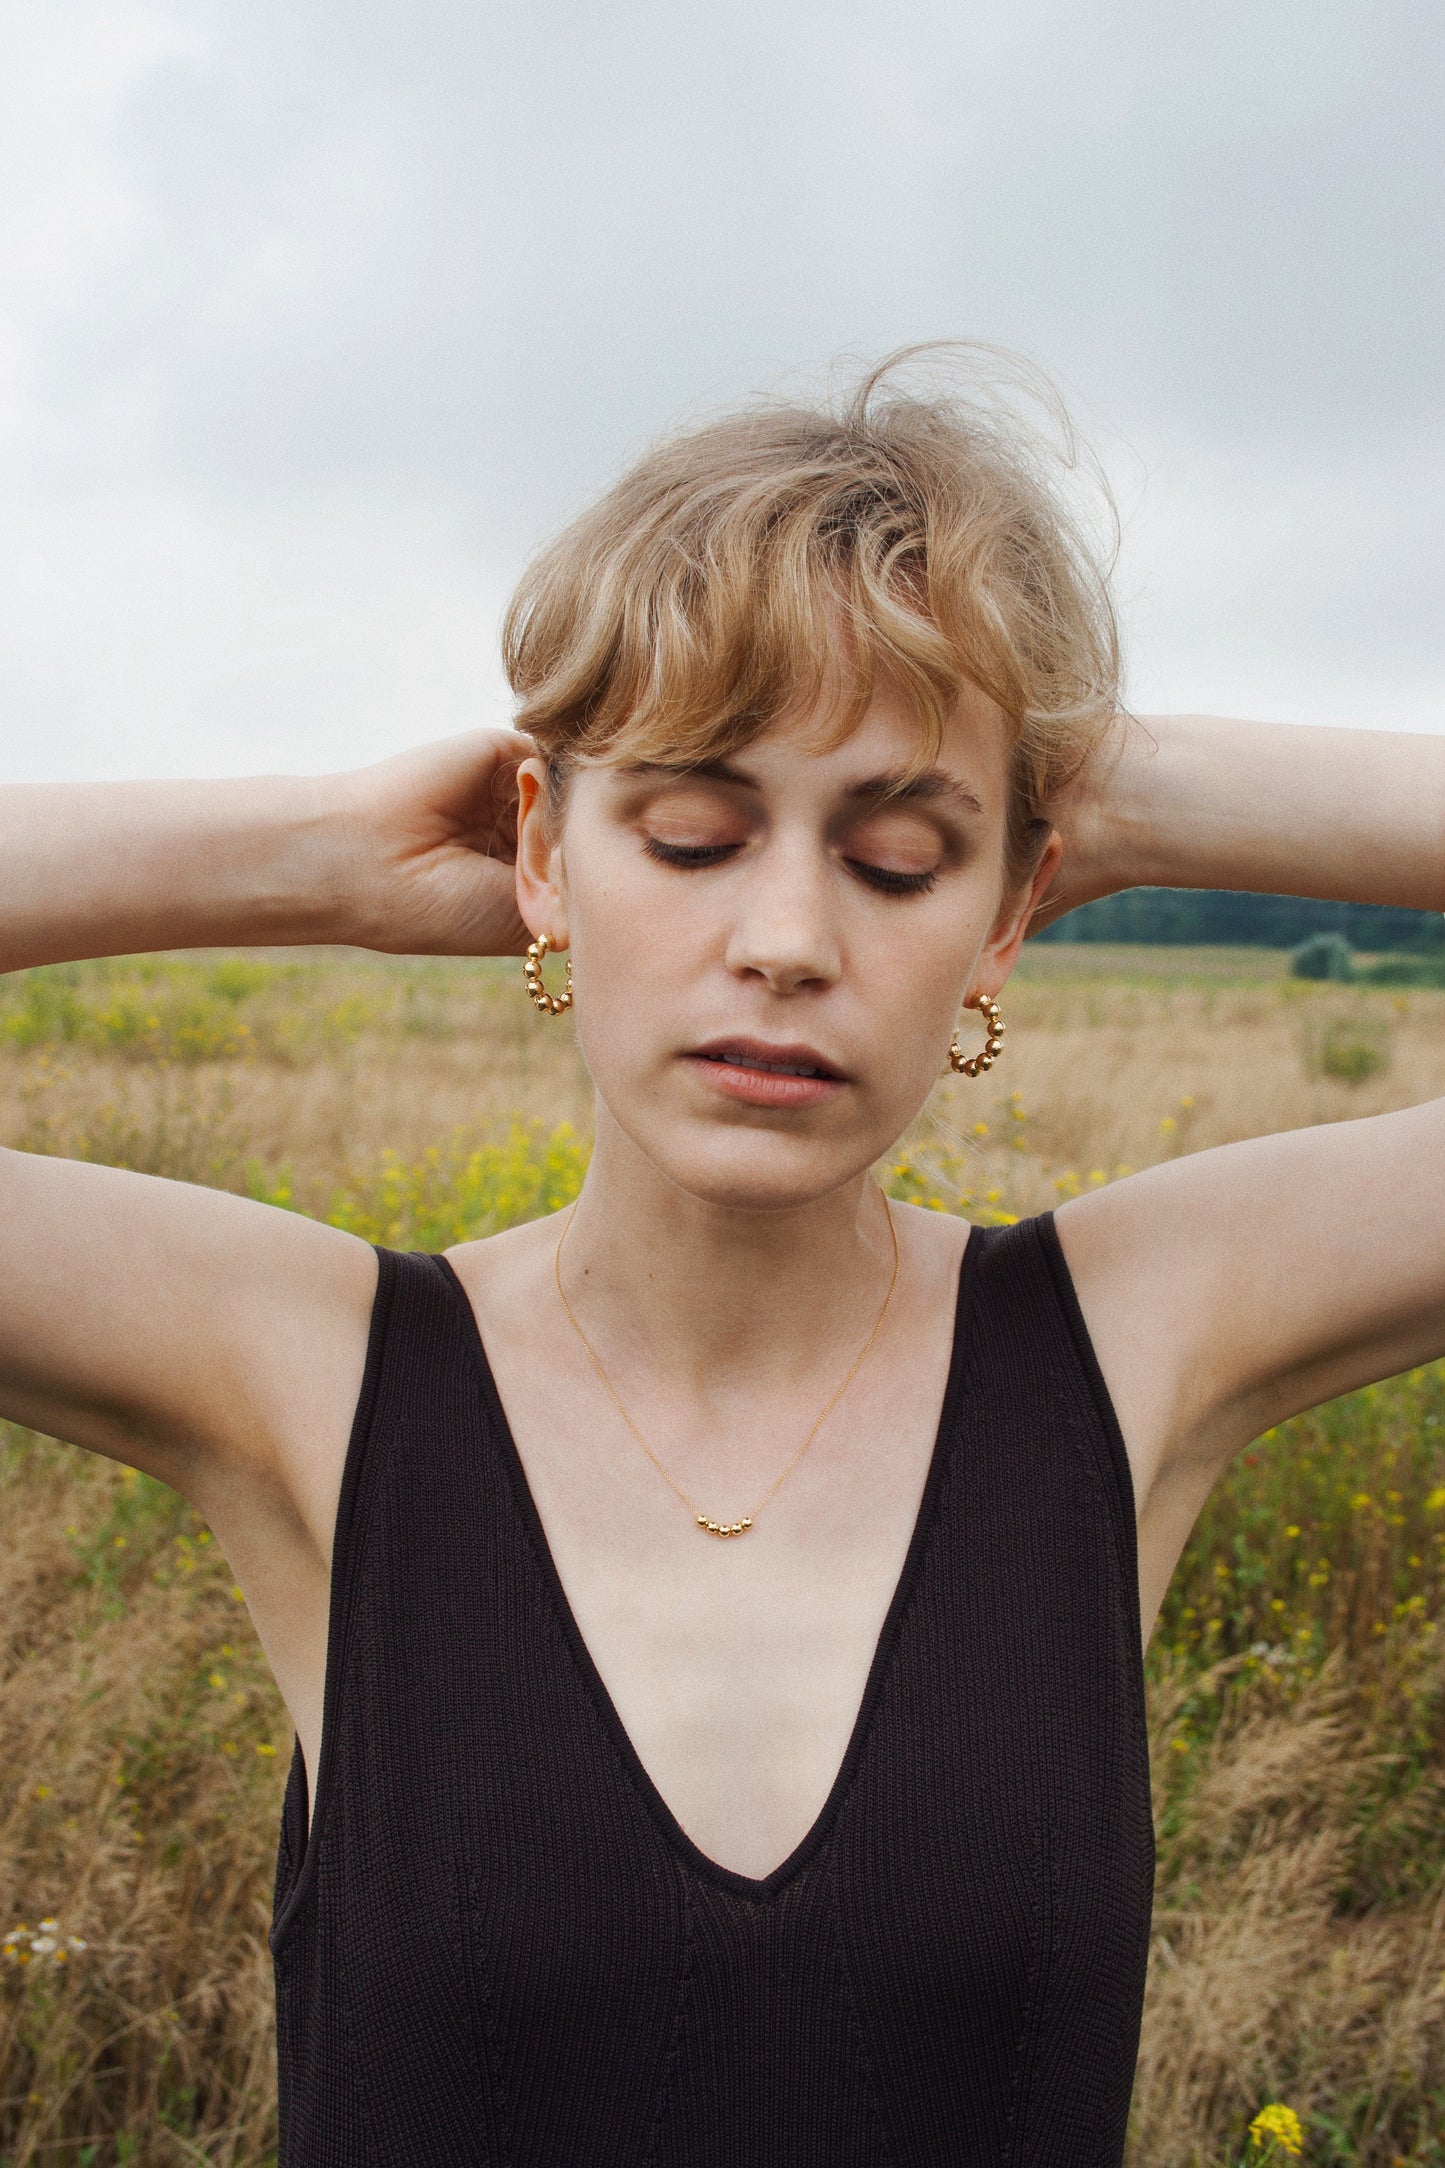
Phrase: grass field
(1297, 1676)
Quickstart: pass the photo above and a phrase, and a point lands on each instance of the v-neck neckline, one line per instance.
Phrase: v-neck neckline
(816, 1835)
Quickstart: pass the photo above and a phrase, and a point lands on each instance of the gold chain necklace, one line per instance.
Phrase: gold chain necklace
(740, 1527)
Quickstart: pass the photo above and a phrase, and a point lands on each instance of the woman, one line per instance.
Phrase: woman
(712, 1619)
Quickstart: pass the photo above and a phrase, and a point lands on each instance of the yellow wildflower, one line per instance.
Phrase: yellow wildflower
(1280, 2125)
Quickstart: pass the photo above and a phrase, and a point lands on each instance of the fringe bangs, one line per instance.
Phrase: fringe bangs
(774, 558)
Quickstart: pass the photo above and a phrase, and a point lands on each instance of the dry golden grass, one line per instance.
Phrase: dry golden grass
(1297, 1676)
(137, 1813)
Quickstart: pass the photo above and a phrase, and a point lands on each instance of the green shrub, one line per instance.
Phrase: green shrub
(1405, 971)
(1323, 956)
(236, 978)
(1353, 1053)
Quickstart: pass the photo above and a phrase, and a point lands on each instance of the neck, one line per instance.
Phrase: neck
(716, 1293)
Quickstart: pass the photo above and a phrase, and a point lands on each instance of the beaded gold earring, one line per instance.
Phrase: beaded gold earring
(975, 1064)
(549, 1004)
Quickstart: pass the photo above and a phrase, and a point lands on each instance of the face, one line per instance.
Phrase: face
(770, 954)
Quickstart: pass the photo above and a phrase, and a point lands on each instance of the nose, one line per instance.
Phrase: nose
(785, 930)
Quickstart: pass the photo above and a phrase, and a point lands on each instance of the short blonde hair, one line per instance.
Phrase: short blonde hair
(700, 598)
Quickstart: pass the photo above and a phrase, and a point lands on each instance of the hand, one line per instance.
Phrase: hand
(430, 842)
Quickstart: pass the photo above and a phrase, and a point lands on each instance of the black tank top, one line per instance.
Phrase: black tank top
(497, 1946)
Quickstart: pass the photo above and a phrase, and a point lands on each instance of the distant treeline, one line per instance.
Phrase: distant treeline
(1199, 916)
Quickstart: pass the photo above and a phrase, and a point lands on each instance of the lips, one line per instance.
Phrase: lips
(757, 1054)
(758, 1073)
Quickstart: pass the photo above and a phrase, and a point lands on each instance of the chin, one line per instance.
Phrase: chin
(746, 1168)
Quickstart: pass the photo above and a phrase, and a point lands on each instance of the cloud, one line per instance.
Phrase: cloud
(316, 319)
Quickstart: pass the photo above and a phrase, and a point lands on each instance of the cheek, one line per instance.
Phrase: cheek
(633, 956)
(919, 956)
(911, 990)
(635, 925)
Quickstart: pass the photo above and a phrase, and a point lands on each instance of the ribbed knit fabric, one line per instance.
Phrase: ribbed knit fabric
(498, 1947)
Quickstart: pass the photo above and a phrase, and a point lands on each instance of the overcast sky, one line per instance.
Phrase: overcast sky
(315, 318)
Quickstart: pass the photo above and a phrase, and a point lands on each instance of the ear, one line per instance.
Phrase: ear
(541, 885)
(1000, 951)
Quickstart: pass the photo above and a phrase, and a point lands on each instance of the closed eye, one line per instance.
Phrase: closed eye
(887, 879)
(891, 882)
(687, 854)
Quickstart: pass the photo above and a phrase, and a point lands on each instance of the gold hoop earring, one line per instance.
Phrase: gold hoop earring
(549, 1004)
(988, 1054)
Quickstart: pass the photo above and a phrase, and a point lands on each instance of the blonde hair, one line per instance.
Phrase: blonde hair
(704, 595)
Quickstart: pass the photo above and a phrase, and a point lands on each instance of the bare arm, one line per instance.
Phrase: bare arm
(1231, 1289)
(412, 855)
(1198, 801)
(198, 1336)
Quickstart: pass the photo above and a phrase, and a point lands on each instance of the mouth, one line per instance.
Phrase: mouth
(768, 1075)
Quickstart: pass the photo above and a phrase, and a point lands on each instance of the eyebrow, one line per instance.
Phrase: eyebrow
(931, 786)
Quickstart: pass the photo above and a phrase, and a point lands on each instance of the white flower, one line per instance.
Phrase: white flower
(24, 1943)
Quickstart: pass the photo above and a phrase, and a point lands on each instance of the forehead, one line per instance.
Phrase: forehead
(824, 742)
(971, 748)
(887, 752)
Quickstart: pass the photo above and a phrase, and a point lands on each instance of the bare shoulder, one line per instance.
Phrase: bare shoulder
(1230, 1289)
(209, 1340)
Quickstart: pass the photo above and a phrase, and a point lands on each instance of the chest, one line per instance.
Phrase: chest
(736, 1668)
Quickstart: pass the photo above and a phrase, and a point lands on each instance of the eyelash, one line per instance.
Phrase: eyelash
(694, 855)
(894, 884)
(686, 854)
